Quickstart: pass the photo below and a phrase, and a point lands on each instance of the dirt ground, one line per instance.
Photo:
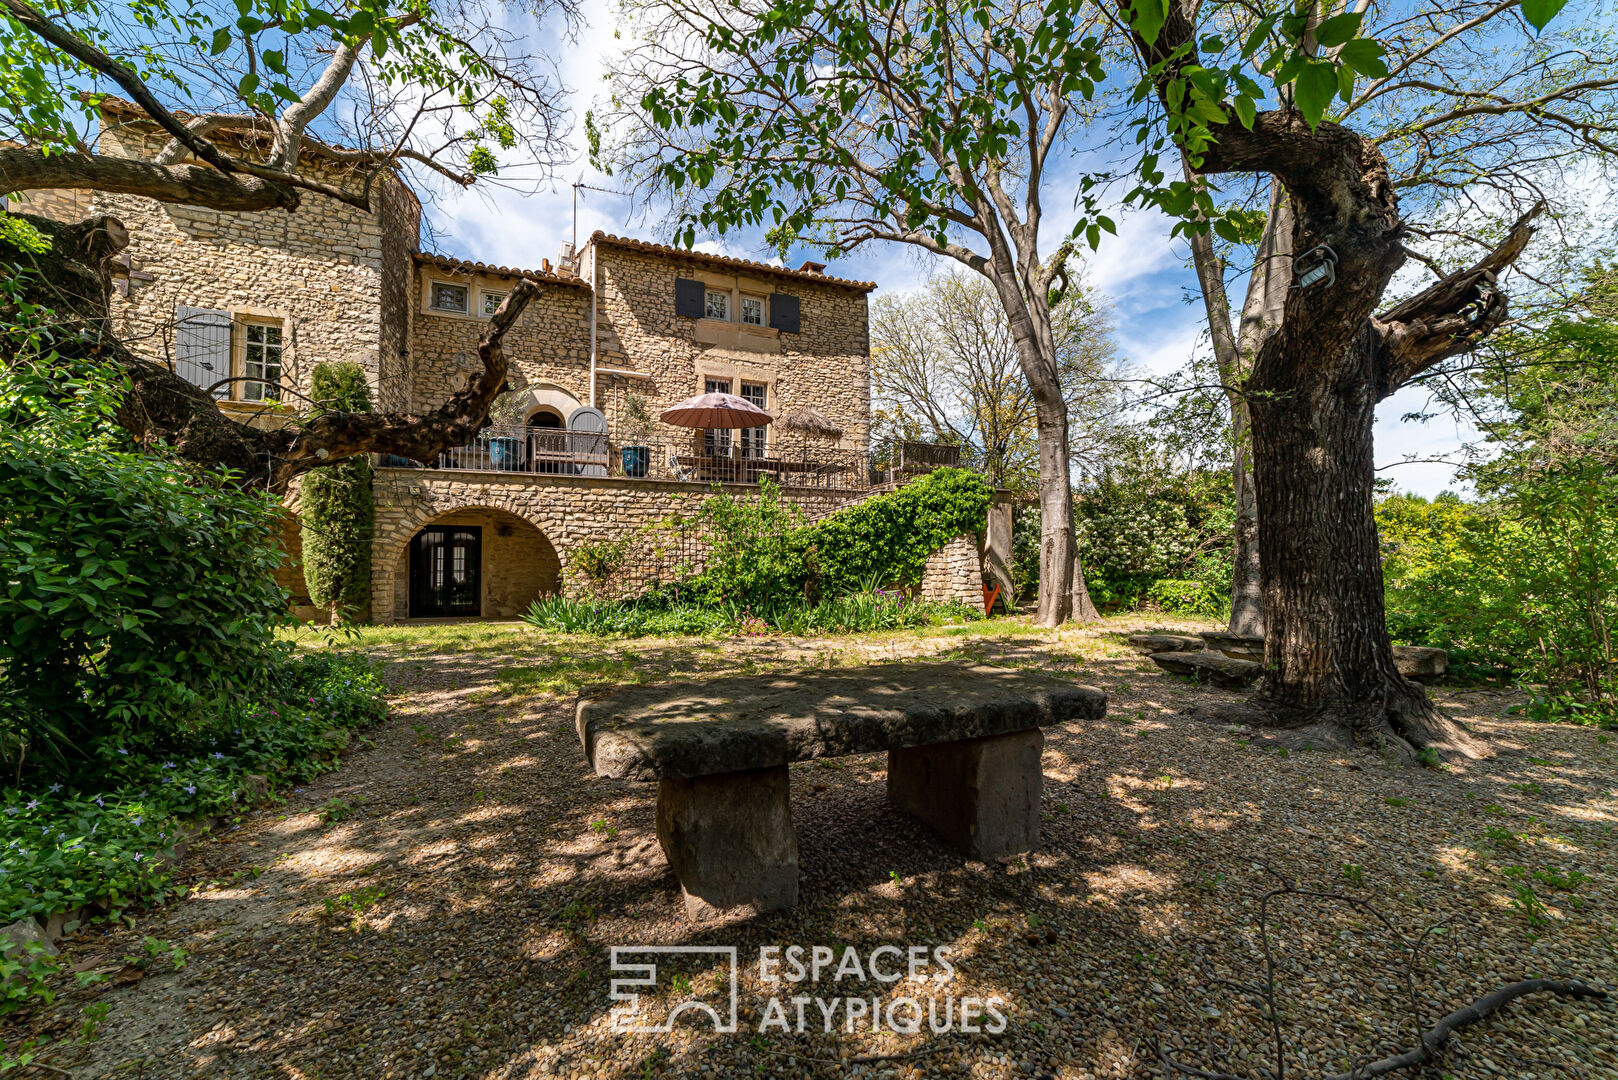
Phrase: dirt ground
(445, 905)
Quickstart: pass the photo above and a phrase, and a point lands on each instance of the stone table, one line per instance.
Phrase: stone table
(963, 743)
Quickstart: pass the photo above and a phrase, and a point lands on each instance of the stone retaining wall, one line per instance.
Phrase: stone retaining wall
(568, 511)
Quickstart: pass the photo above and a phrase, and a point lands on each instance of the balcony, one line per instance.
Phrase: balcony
(549, 452)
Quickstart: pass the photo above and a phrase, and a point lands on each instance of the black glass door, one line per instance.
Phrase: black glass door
(444, 572)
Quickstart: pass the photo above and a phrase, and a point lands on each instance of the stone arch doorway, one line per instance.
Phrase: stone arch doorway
(474, 562)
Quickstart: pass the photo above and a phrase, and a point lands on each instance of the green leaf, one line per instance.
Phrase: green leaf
(1338, 29)
(1540, 12)
(1146, 18)
(1245, 110)
(1365, 57)
(248, 84)
(221, 40)
(1316, 86)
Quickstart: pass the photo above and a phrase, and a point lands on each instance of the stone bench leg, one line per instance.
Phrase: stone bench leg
(980, 795)
(729, 839)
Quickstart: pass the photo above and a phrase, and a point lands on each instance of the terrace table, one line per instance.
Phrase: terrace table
(963, 744)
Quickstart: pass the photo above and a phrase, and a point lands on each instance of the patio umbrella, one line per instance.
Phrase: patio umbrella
(809, 422)
(711, 411)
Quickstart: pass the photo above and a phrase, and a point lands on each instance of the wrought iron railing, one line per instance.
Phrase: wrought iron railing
(548, 451)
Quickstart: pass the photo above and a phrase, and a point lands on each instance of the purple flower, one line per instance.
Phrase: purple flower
(190, 789)
(217, 756)
(124, 751)
(55, 788)
(137, 819)
(100, 803)
(32, 803)
(13, 811)
(139, 857)
(168, 764)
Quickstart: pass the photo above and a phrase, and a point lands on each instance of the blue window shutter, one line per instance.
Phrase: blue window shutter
(690, 298)
(202, 347)
(784, 313)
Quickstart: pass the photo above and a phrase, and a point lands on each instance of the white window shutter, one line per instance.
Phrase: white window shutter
(202, 347)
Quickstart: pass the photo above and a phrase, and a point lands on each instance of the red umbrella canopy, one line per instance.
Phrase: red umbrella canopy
(716, 411)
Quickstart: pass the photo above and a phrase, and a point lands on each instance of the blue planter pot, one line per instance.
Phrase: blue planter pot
(636, 460)
(505, 453)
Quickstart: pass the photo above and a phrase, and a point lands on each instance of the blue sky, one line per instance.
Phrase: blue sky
(1145, 273)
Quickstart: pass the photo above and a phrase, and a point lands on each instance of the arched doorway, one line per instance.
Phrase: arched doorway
(476, 562)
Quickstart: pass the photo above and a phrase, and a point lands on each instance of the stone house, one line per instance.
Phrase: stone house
(246, 304)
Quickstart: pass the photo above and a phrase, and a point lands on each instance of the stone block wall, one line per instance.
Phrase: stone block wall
(826, 365)
(568, 511)
(955, 572)
(319, 270)
(548, 346)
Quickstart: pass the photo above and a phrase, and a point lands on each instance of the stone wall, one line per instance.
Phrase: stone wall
(319, 270)
(399, 215)
(955, 572)
(569, 512)
(548, 346)
(826, 365)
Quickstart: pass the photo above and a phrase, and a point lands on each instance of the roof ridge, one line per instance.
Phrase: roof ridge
(729, 260)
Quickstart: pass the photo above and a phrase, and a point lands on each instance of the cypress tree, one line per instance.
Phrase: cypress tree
(335, 505)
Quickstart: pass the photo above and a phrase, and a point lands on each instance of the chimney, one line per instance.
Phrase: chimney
(811, 267)
(545, 265)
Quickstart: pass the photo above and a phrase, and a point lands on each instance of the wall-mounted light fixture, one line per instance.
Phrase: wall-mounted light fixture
(1318, 264)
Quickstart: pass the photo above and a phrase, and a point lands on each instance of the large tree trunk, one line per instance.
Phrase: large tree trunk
(1267, 285)
(1330, 670)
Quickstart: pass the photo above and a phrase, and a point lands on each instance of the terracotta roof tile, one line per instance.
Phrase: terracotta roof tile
(467, 266)
(726, 260)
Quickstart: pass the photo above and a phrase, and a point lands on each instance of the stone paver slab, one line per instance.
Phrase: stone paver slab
(742, 722)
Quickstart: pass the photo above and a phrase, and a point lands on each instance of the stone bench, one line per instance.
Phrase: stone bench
(963, 745)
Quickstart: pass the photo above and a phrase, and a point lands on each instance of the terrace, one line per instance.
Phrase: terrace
(519, 449)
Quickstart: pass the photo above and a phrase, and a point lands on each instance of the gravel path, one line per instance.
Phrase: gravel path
(451, 914)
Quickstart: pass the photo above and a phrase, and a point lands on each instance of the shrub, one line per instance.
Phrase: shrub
(1184, 597)
(889, 537)
(137, 593)
(102, 838)
(858, 612)
(336, 506)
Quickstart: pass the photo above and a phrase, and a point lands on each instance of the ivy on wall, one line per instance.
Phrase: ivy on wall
(336, 508)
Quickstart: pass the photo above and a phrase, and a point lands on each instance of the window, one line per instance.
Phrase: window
(716, 441)
(447, 297)
(261, 361)
(718, 306)
(753, 312)
(752, 442)
(492, 302)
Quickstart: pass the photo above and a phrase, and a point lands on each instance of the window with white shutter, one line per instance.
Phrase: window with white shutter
(202, 347)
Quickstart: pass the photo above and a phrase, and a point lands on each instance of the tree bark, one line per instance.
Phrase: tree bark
(1267, 286)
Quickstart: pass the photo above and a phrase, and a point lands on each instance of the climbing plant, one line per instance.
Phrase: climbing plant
(335, 505)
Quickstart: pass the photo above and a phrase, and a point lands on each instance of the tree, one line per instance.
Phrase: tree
(1332, 355)
(944, 365)
(434, 89)
(840, 124)
(336, 507)
(1449, 115)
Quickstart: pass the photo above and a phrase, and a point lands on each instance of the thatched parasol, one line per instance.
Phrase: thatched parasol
(809, 422)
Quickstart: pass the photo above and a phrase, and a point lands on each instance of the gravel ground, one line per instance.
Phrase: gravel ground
(452, 915)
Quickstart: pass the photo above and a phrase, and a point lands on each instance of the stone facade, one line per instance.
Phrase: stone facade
(344, 284)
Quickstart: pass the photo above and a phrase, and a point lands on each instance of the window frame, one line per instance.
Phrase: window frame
(486, 312)
(239, 389)
(754, 442)
(710, 294)
(763, 311)
(433, 285)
